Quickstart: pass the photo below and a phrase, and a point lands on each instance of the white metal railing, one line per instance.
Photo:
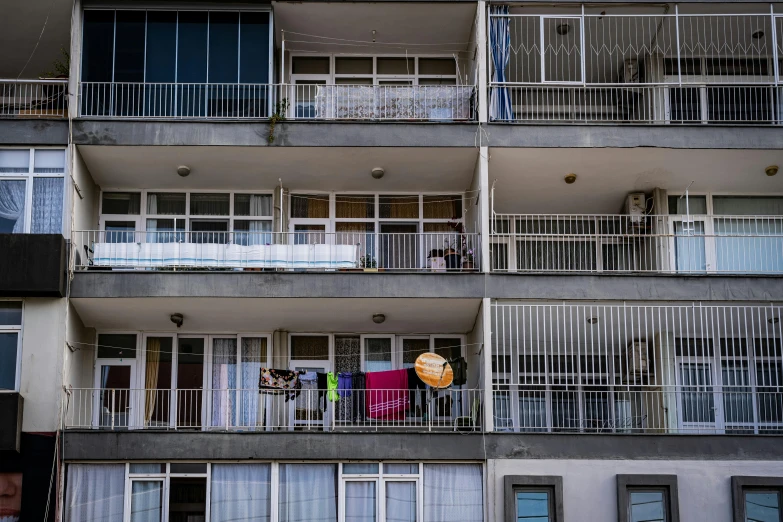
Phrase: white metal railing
(260, 101)
(248, 410)
(643, 243)
(656, 65)
(33, 98)
(368, 251)
(644, 368)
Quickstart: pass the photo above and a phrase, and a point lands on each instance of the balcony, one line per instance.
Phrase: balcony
(747, 245)
(33, 99)
(206, 101)
(645, 66)
(687, 369)
(247, 410)
(344, 251)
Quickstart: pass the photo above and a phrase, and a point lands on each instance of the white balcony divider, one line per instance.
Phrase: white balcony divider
(623, 368)
(453, 409)
(260, 101)
(626, 244)
(654, 66)
(429, 251)
(33, 98)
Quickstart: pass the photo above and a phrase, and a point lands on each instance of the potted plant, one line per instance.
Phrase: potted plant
(467, 259)
(436, 261)
(368, 263)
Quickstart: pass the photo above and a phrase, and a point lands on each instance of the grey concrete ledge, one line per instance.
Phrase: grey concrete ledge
(634, 287)
(630, 136)
(287, 134)
(141, 445)
(33, 132)
(92, 284)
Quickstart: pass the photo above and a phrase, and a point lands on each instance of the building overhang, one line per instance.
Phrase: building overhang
(32, 265)
(34, 132)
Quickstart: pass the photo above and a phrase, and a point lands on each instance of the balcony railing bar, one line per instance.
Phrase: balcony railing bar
(33, 98)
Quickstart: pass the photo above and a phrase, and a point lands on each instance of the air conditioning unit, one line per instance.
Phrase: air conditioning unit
(636, 360)
(635, 206)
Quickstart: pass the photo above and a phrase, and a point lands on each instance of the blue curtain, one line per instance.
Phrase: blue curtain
(500, 44)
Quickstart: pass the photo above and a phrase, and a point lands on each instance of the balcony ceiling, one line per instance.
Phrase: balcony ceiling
(531, 180)
(265, 315)
(19, 33)
(245, 168)
(438, 25)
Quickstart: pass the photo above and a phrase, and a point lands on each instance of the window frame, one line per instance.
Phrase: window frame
(376, 77)
(514, 483)
(741, 484)
(29, 178)
(629, 483)
(18, 329)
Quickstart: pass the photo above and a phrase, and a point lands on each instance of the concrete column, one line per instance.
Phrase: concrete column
(76, 59)
(484, 205)
(486, 311)
(481, 43)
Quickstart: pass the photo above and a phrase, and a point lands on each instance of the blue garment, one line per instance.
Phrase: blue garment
(344, 384)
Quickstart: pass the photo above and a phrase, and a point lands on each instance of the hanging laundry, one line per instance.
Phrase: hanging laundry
(345, 390)
(459, 367)
(280, 381)
(322, 386)
(359, 385)
(331, 387)
(418, 393)
(306, 404)
(387, 395)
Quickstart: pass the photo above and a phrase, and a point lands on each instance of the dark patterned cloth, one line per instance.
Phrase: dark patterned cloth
(280, 381)
(359, 385)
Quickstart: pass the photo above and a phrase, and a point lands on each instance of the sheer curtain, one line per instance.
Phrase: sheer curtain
(762, 250)
(308, 492)
(47, 206)
(240, 492)
(453, 493)
(224, 382)
(400, 502)
(146, 500)
(12, 195)
(360, 500)
(253, 357)
(95, 493)
(260, 205)
(151, 378)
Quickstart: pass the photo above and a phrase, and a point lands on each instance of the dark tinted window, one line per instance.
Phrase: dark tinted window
(117, 346)
(98, 46)
(192, 59)
(223, 47)
(129, 46)
(161, 46)
(254, 48)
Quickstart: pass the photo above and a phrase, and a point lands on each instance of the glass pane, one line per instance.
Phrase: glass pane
(443, 207)
(192, 47)
(127, 203)
(190, 381)
(693, 205)
(355, 206)
(360, 501)
(224, 382)
(209, 204)
(310, 206)
(9, 343)
(400, 502)
(310, 65)
(533, 506)
(401, 469)
(689, 246)
(147, 469)
(449, 348)
(10, 313)
(188, 467)
(240, 492)
(146, 501)
(187, 499)
(762, 506)
(253, 232)
(646, 506)
(437, 66)
(97, 46)
(698, 401)
(747, 205)
(129, 49)
(47, 205)
(161, 48)
(310, 347)
(306, 489)
(360, 468)
(157, 381)
(377, 354)
(223, 47)
(347, 354)
(253, 205)
(13, 194)
(114, 396)
(254, 356)
(15, 161)
(411, 349)
(120, 231)
(117, 346)
(397, 66)
(254, 47)
(353, 65)
(399, 207)
(49, 161)
(166, 203)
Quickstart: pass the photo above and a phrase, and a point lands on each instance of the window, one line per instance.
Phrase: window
(533, 498)
(757, 499)
(32, 191)
(10, 344)
(375, 70)
(647, 498)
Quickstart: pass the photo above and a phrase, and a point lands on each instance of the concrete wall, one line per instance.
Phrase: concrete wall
(43, 342)
(590, 487)
(475, 343)
(86, 199)
(78, 364)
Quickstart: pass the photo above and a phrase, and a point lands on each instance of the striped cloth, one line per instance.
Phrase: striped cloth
(387, 395)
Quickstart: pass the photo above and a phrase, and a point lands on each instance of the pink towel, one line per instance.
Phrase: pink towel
(387, 395)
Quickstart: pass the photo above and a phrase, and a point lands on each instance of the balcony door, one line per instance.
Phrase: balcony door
(699, 405)
(115, 397)
(398, 246)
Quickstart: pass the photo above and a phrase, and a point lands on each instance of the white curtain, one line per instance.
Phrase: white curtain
(95, 493)
(308, 492)
(12, 196)
(47, 205)
(753, 244)
(146, 500)
(224, 382)
(253, 357)
(152, 204)
(259, 233)
(400, 502)
(453, 493)
(260, 205)
(240, 492)
(360, 501)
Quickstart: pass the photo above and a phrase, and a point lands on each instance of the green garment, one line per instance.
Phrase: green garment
(331, 387)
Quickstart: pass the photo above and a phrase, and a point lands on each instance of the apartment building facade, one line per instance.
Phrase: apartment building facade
(577, 202)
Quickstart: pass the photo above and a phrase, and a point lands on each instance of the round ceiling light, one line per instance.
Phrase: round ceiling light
(378, 172)
(771, 170)
(758, 35)
(183, 171)
(378, 318)
(563, 29)
(570, 178)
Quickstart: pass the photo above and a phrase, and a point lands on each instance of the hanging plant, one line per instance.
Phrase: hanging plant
(281, 108)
